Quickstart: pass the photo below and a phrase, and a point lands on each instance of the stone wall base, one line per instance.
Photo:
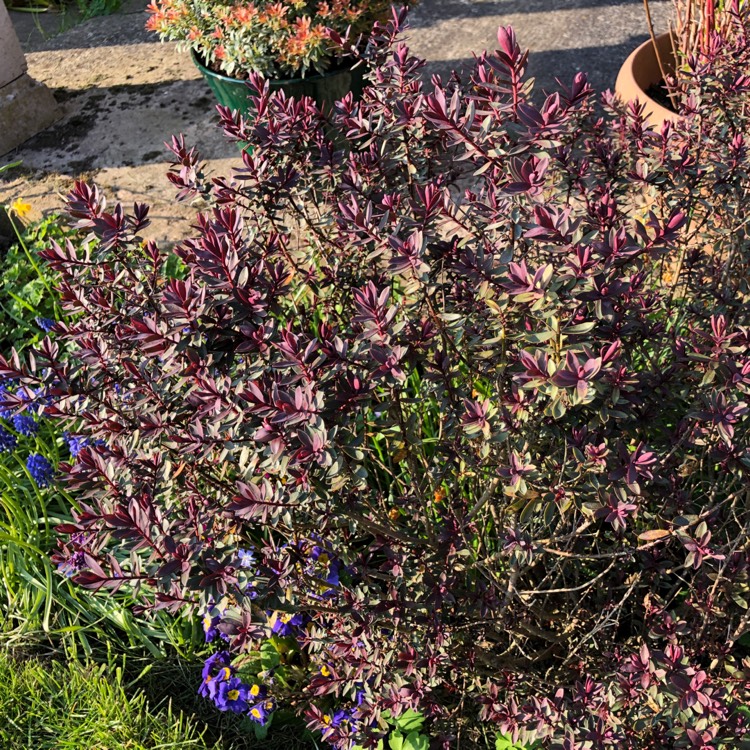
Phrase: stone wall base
(26, 108)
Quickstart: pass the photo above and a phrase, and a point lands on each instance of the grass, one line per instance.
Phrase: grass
(66, 706)
(26, 289)
(54, 705)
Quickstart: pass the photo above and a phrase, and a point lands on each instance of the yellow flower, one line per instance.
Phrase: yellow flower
(20, 208)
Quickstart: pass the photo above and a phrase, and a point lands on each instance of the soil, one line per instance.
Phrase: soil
(658, 92)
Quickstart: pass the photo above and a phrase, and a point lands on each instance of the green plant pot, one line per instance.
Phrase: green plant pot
(325, 89)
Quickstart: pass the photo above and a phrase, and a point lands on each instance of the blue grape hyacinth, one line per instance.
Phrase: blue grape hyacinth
(25, 425)
(5, 413)
(41, 469)
(8, 441)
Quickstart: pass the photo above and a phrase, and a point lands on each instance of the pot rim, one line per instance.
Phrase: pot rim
(630, 86)
(281, 81)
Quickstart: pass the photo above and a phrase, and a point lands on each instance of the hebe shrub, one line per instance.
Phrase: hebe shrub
(445, 415)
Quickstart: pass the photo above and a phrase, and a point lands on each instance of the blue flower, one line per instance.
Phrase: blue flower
(232, 695)
(209, 626)
(8, 441)
(216, 669)
(341, 716)
(4, 413)
(260, 711)
(45, 324)
(76, 443)
(334, 574)
(284, 623)
(322, 564)
(25, 425)
(74, 564)
(257, 692)
(34, 401)
(247, 558)
(40, 469)
(250, 590)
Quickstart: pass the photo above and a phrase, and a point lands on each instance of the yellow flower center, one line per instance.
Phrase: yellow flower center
(255, 713)
(225, 673)
(325, 671)
(285, 617)
(255, 689)
(326, 719)
(233, 695)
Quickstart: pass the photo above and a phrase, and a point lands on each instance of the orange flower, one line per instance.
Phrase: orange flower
(244, 13)
(277, 10)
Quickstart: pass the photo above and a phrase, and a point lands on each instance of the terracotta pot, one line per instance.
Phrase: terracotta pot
(641, 71)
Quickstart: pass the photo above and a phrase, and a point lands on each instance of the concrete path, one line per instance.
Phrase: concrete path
(124, 93)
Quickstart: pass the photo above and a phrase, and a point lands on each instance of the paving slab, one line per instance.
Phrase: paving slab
(123, 93)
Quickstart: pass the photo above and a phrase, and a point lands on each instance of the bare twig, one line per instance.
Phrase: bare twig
(660, 62)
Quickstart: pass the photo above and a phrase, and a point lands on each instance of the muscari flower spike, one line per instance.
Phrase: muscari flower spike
(45, 324)
(8, 441)
(74, 564)
(76, 443)
(41, 469)
(4, 413)
(25, 425)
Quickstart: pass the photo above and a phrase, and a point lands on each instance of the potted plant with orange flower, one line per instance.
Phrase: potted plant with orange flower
(288, 42)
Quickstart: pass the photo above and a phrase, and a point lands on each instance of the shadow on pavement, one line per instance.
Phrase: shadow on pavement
(601, 65)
